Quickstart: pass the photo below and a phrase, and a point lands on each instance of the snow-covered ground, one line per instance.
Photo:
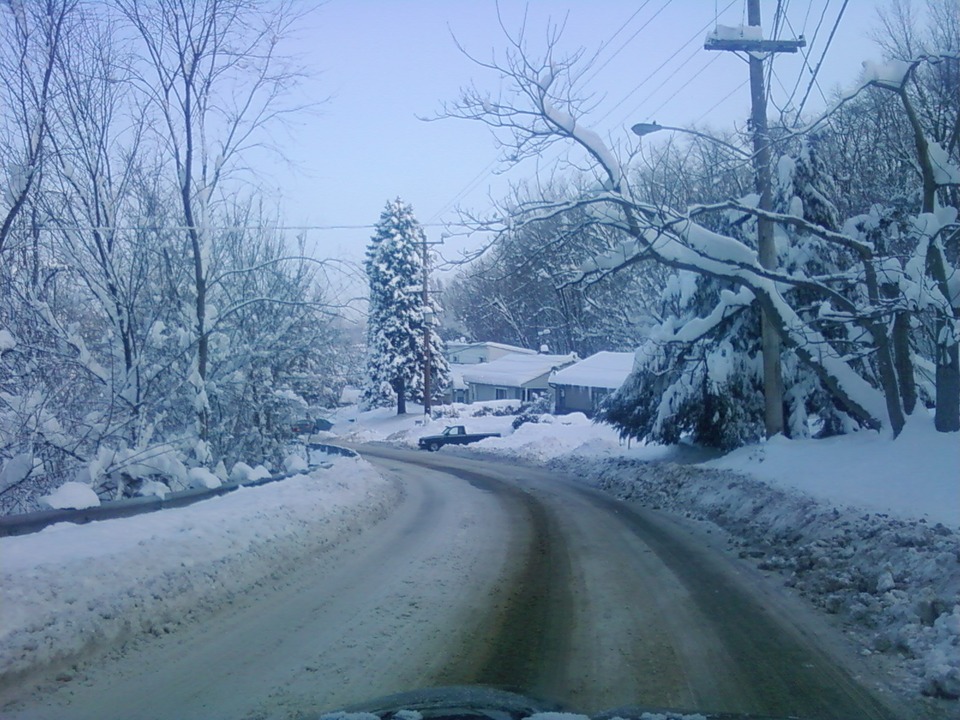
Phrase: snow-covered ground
(916, 477)
(70, 587)
(865, 527)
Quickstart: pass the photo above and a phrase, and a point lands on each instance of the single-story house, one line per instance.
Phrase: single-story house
(458, 391)
(582, 386)
(462, 353)
(517, 376)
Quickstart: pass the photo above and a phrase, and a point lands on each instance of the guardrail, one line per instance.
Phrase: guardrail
(33, 522)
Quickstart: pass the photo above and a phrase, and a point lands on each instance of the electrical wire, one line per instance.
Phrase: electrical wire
(721, 101)
(486, 171)
(628, 40)
(816, 70)
(680, 89)
(816, 34)
(693, 38)
(220, 228)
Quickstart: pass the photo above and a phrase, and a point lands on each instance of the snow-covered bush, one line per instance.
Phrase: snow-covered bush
(71, 495)
(532, 412)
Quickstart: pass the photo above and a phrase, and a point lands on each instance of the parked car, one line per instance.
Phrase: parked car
(307, 426)
(452, 435)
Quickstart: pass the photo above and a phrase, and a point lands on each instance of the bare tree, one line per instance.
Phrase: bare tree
(30, 38)
(928, 90)
(542, 107)
(214, 77)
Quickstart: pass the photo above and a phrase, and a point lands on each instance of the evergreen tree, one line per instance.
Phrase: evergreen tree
(699, 372)
(395, 330)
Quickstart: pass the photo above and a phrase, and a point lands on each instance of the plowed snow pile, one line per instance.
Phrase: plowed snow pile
(70, 587)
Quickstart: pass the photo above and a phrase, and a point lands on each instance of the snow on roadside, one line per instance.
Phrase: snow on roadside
(916, 476)
(894, 583)
(71, 587)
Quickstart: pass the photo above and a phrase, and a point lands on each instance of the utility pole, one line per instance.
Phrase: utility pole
(753, 44)
(427, 319)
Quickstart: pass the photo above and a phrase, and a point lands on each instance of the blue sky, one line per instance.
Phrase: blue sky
(383, 63)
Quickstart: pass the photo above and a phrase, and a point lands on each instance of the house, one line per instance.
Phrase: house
(517, 376)
(463, 353)
(582, 386)
(458, 390)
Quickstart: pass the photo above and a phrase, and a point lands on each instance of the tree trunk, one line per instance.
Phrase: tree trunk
(948, 365)
(947, 418)
(904, 362)
(888, 378)
(400, 387)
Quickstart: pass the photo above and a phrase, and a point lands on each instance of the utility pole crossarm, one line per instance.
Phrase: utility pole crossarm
(760, 46)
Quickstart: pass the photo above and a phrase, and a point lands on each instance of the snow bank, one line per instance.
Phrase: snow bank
(914, 477)
(71, 496)
(71, 587)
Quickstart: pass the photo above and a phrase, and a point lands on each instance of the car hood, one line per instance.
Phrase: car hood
(483, 703)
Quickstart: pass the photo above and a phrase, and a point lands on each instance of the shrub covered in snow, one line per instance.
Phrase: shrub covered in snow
(200, 477)
(241, 473)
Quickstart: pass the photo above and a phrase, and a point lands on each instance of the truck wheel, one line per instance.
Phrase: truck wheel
(433, 447)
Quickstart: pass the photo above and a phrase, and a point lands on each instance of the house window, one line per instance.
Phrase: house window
(501, 393)
(597, 396)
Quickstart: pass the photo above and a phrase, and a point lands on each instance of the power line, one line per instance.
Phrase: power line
(695, 37)
(679, 89)
(813, 41)
(485, 172)
(816, 70)
(629, 39)
(721, 101)
(219, 228)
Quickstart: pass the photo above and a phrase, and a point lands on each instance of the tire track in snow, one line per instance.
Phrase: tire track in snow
(527, 637)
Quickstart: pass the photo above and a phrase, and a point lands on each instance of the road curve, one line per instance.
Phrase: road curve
(612, 605)
(485, 573)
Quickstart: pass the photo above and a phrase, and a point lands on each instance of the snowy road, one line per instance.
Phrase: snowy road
(485, 573)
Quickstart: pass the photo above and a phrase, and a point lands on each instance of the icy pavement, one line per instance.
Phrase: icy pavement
(864, 527)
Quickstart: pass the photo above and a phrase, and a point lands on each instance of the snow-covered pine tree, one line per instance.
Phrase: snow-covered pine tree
(439, 367)
(395, 333)
(699, 371)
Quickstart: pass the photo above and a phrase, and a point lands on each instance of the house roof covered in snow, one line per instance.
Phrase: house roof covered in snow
(604, 370)
(456, 376)
(516, 369)
(458, 346)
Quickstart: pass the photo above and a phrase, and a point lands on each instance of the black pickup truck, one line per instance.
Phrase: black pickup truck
(452, 435)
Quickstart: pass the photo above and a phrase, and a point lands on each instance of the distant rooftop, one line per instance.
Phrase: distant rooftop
(603, 370)
(457, 346)
(515, 369)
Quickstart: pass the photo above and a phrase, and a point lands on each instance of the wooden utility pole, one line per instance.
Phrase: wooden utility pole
(427, 319)
(756, 48)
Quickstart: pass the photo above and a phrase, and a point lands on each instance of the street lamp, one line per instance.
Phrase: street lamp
(642, 129)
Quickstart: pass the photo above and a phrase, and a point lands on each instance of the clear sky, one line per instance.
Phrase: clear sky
(383, 63)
